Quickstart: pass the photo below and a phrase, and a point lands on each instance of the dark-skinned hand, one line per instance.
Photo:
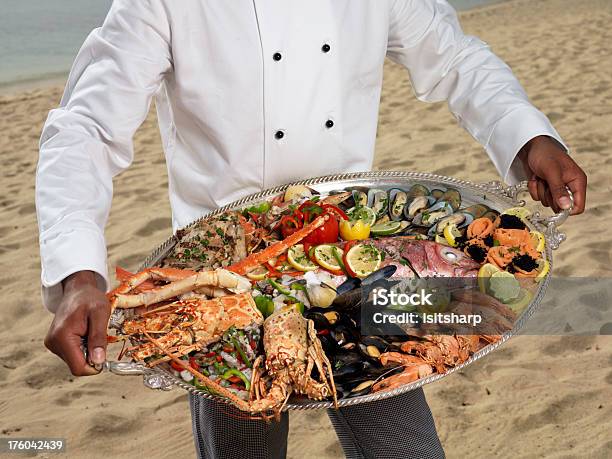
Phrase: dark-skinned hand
(550, 170)
(83, 312)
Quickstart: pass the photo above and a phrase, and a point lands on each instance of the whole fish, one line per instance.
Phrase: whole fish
(426, 258)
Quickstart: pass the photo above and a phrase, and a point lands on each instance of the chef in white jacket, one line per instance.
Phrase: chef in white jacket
(252, 94)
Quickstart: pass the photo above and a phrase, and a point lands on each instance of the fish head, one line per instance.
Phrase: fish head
(430, 259)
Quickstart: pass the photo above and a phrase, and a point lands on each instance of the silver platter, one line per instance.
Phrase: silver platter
(493, 194)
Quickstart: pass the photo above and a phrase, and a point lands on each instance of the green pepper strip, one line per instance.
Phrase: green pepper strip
(264, 304)
(338, 258)
(219, 368)
(297, 286)
(243, 356)
(233, 372)
(279, 287)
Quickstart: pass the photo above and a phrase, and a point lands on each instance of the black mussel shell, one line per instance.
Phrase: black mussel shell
(348, 285)
(383, 273)
(321, 322)
(329, 344)
(344, 357)
(349, 301)
(348, 371)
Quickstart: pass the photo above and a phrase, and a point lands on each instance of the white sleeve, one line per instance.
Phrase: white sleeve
(88, 139)
(482, 92)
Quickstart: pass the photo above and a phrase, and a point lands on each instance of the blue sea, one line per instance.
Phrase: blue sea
(40, 38)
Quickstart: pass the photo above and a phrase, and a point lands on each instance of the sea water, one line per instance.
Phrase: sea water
(40, 38)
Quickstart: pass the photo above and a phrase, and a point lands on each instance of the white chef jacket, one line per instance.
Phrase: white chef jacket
(252, 94)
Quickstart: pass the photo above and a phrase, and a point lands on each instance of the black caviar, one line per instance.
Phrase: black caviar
(477, 252)
(511, 222)
(524, 262)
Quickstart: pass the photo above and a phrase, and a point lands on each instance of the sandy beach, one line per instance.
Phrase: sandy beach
(538, 396)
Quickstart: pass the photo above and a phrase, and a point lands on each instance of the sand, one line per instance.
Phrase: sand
(535, 397)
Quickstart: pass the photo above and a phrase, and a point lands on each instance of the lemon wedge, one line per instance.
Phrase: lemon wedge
(521, 212)
(354, 230)
(539, 241)
(451, 233)
(543, 268)
(484, 274)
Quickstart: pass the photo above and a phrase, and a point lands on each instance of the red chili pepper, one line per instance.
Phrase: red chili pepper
(176, 366)
(335, 210)
(325, 331)
(272, 271)
(219, 359)
(289, 225)
(193, 363)
(347, 266)
(210, 354)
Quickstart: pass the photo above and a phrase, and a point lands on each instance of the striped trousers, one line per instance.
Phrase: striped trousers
(401, 427)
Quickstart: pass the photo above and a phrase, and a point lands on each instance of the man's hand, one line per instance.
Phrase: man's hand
(83, 312)
(550, 169)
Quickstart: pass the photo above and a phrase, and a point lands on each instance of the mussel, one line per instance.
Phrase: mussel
(417, 190)
(476, 210)
(372, 346)
(460, 219)
(417, 205)
(453, 197)
(397, 201)
(378, 200)
(433, 214)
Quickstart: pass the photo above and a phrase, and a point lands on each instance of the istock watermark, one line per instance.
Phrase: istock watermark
(469, 306)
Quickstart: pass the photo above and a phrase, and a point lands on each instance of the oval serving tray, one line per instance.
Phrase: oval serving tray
(493, 194)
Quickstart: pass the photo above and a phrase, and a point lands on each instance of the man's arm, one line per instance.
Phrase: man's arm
(484, 95)
(84, 144)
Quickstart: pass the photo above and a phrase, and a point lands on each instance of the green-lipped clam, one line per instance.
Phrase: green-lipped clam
(433, 214)
(397, 201)
(379, 201)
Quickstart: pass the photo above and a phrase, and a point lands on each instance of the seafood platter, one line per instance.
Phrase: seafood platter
(258, 303)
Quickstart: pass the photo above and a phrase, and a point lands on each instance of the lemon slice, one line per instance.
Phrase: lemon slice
(363, 259)
(258, 273)
(324, 255)
(538, 240)
(521, 302)
(451, 233)
(521, 212)
(484, 273)
(299, 260)
(386, 228)
(504, 286)
(543, 267)
(364, 213)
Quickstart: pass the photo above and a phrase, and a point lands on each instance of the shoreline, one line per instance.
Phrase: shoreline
(55, 79)
(42, 82)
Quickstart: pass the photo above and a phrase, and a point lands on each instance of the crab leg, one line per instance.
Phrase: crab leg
(216, 278)
(204, 380)
(256, 259)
